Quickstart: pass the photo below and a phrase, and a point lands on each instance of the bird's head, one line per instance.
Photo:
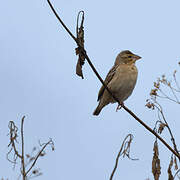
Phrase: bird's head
(126, 57)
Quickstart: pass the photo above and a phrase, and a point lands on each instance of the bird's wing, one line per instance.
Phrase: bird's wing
(107, 80)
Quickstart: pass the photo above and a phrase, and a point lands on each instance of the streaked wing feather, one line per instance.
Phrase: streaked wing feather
(107, 80)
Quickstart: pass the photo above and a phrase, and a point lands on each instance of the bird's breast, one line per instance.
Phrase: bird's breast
(124, 81)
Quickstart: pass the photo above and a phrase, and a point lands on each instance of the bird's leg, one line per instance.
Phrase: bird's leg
(119, 106)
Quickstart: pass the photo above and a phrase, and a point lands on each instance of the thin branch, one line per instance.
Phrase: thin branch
(77, 27)
(99, 77)
(175, 95)
(22, 155)
(13, 137)
(153, 132)
(25, 160)
(52, 8)
(167, 97)
(176, 173)
(125, 152)
(117, 158)
(167, 83)
(83, 51)
(177, 84)
(159, 107)
(39, 154)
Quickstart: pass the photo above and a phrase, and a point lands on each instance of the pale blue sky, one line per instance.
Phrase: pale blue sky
(37, 75)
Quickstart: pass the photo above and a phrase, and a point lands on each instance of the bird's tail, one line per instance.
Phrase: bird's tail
(97, 110)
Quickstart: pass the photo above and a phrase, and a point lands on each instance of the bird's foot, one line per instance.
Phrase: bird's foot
(119, 106)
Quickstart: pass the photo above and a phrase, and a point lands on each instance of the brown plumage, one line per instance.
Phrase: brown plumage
(121, 80)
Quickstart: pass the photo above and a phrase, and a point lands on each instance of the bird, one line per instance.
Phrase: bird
(121, 80)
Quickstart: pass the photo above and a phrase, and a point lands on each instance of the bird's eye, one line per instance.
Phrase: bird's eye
(129, 56)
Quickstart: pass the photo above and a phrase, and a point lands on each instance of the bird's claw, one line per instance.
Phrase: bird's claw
(119, 106)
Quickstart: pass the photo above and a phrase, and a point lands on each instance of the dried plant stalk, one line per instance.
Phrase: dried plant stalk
(27, 159)
(156, 168)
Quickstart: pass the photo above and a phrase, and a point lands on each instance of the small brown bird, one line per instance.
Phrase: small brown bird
(121, 80)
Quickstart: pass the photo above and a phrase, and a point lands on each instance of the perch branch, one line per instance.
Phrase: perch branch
(99, 77)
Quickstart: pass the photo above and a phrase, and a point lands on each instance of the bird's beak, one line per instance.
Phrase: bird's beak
(136, 57)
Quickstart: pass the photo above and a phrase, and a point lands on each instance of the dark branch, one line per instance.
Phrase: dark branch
(13, 138)
(22, 155)
(61, 21)
(99, 77)
(39, 154)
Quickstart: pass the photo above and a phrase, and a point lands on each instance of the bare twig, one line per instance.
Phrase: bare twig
(13, 138)
(29, 158)
(159, 107)
(22, 155)
(176, 174)
(80, 38)
(126, 146)
(52, 8)
(168, 97)
(50, 142)
(172, 90)
(177, 84)
(153, 132)
(101, 80)
(168, 84)
(160, 113)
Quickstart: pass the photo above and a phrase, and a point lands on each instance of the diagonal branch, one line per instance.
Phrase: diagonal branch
(39, 154)
(83, 51)
(99, 77)
(57, 16)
